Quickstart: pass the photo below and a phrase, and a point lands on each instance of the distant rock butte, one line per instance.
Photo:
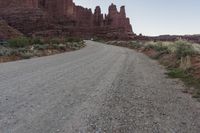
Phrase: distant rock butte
(64, 18)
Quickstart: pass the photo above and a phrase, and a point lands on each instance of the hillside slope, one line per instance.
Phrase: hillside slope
(7, 31)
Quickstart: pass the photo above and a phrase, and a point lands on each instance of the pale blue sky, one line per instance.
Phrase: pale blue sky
(155, 17)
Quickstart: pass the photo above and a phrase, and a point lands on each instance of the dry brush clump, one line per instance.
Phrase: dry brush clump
(178, 56)
(179, 62)
(25, 48)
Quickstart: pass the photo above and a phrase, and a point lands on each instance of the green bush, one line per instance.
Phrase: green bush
(62, 47)
(188, 79)
(41, 46)
(184, 49)
(27, 55)
(159, 47)
(6, 52)
(72, 45)
(36, 41)
(22, 50)
(73, 39)
(149, 46)
(54, 46)
(19, 42)
(177, 73)
(135, 44)
(97, 39)
(75, 45)
(55, 41)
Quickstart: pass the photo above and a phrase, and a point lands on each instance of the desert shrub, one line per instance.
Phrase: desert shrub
(177, 73)
(97, 39)
(160, 47)
(185, 63)
(2, 52)
(62, 47)
(74, 45)
(27, 55)
(54, 46)
(184, 49)
(6, 52)
(37, 41)
(184, 75)
(172, 47)
(22, 50)
(41, 46)
(135, 44)
(81, 44)
(71, 46)
(19, 42)
(73, 39)
(62, 40)
(149, 46)
(55, 41)
(3, 43)
(187, 78)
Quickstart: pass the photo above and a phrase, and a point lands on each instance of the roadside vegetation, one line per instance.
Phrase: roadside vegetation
(181, 58)
(26, 48)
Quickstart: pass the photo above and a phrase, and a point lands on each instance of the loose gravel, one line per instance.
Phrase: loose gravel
(97, 89)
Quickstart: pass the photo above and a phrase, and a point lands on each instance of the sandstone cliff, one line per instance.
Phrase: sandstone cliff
(18, 3)
(63, 17)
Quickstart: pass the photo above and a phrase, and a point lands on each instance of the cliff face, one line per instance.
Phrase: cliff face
(7, 32)
(115, 23)
(63, 17)
(18, 3)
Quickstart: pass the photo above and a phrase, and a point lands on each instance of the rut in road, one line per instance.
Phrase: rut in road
(99, 88)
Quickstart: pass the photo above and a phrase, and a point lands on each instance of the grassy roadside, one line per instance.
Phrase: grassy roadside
(26, 48)
(181, 59)
(190, 81)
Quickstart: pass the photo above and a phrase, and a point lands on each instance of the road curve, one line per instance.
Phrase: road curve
(97, 89)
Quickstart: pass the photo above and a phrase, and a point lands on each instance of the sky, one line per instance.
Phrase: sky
(156, 17)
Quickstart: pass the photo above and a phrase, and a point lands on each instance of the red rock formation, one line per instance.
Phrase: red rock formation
(115, 25)
(57, 8)
(118, 19)
(26, 20)
(18, 3)
(98, 17)
(63, 17)
(7, 32)
(84, 17)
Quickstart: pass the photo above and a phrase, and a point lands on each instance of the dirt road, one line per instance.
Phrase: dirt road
(97, 89)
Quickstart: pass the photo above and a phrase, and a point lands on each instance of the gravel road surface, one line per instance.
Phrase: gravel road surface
(98, 89)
